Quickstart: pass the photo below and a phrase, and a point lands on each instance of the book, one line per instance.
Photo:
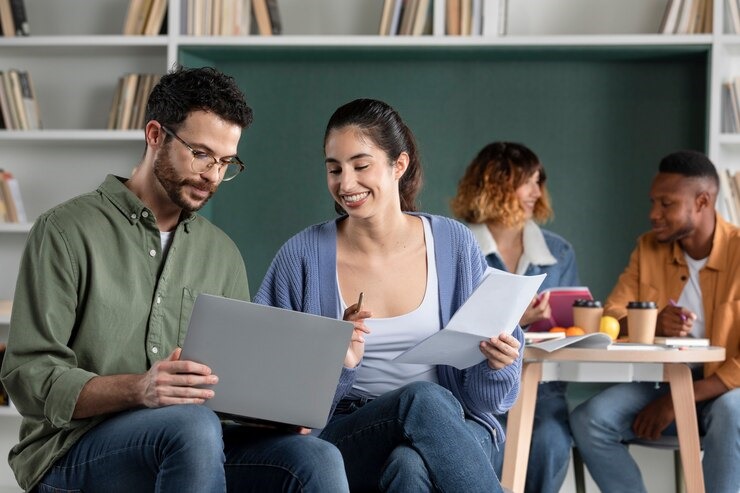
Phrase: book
(732, 14)
(5, 115)
(561, 307)
(11, 214)
(670, 17)
(6, 19)
(13, 199)
(492, 22)
(155, 18)
(4, 218)
(683, 341)
(15, 123)
(535, 337)
(16, 96)
(276, 23)
(453, 18)
(407, 16)
(30, 104)
(6, 306)
(421, 17)
(727, 200)
(686, 18)
(595, 340)
(734, 192)
(385, 17)
(736, 181)
(493, 308)
(466, 8)
(262, 17)
(395, 27)
(135, 17)
(20, 19)
(126, 103)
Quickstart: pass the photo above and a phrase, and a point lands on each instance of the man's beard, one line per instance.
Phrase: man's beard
(173, 185)
(682, 233)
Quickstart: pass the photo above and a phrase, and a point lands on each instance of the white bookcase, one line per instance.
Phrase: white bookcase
(76, 54)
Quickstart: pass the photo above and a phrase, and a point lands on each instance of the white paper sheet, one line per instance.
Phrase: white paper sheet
(495, 306)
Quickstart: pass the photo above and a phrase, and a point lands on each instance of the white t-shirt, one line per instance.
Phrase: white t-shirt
(390, 337)
(691, 297)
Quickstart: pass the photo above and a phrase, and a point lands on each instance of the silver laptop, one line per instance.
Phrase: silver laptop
(273, 364)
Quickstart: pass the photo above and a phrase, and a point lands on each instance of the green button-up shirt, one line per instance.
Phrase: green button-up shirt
(96, 296)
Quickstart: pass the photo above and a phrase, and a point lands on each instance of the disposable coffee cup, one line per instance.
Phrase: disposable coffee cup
(641, 319)
(587, 315)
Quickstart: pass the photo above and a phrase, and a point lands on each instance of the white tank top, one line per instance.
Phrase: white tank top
(390, 337)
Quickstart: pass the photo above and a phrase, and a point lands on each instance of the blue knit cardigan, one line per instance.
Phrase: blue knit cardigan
(302, 277)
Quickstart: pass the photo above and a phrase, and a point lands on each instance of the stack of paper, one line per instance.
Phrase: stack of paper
(495, 306)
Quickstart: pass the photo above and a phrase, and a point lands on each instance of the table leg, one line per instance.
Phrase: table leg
(682, 394)
(519, 429)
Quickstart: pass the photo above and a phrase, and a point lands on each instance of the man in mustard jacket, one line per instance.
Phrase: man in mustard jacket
(689, 264)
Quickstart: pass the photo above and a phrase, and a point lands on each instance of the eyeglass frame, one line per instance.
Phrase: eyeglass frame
(209, 166)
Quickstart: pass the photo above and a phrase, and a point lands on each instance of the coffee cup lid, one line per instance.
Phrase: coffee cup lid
(641, 304)
(587, 303)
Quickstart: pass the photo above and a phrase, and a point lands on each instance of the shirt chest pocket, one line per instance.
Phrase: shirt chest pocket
(186, 309)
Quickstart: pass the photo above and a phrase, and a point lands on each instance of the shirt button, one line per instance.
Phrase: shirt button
(159, 300)
(152, 253)
(155, 350)
(133, 216)
(145, 214)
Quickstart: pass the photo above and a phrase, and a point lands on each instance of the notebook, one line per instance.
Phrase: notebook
(561, 307)
(273, 364)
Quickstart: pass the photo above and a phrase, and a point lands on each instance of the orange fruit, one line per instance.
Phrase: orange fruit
(574, 331)
(610, 326)
(558, 329)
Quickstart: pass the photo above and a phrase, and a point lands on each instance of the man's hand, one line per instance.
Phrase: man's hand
(172, 381)
(654, 418)
(675, 321)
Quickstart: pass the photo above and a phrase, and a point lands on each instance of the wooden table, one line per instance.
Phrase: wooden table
(603, 365)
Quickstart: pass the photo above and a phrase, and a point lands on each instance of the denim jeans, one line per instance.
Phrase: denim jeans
(549, 452)
(184, 448)
(602, 423)
(415, 438)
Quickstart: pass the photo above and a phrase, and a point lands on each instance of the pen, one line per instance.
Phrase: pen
(359, 303)
(673, 303)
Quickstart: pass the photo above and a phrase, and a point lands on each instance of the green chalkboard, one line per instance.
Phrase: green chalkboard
(599, 119)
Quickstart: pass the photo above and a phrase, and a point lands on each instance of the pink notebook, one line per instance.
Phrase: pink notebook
(561, 306)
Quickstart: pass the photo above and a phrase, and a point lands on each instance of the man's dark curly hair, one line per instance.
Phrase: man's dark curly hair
(184, 90)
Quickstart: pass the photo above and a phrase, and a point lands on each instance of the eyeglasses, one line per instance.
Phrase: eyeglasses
(203, 162)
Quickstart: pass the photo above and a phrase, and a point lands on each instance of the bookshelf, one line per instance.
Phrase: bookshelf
(585, 83)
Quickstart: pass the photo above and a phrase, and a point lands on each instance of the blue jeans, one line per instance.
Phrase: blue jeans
(415, 438)
(602, 423)
(549, 453)
(184, 448)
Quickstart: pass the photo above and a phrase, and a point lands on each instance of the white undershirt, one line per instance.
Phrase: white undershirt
(691, 297)
(165, 238)
(390, 337)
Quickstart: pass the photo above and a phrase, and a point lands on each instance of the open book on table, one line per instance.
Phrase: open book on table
(561, 307)
(595, 340)
(495, 306)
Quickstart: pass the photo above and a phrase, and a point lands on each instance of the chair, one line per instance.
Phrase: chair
(664, 442)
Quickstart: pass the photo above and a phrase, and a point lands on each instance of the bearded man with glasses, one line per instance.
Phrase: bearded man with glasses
(103, 300)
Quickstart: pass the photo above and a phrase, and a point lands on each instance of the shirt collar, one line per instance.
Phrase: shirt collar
(128, 203)
(718, 258)
(535, 246)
